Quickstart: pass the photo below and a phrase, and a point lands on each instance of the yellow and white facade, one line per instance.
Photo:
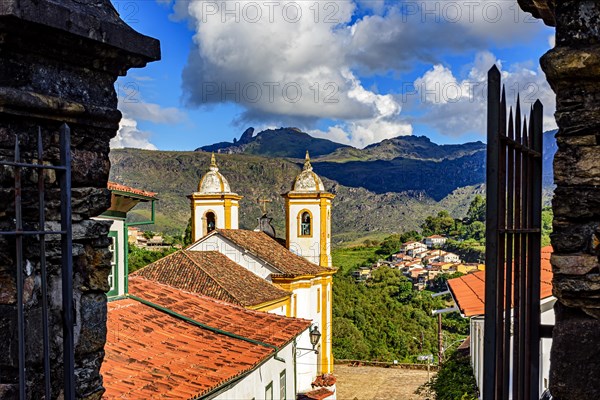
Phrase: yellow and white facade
(214, 206)
(308, 234)
(308, 217)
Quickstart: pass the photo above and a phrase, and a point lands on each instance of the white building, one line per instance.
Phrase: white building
(414, 249)
(165, 342)
(468, 294)
(435, 241)
(252, 269)
(449, 258)
(123, 200)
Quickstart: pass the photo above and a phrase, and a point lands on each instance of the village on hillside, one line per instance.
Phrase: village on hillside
(421, 262)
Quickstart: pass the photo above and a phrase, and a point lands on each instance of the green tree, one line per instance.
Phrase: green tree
(139, 257)
(476, 210)
(390, 245)
(475, 230)
(411, 235)
(187, 236)
(441, 224)
(547, 219)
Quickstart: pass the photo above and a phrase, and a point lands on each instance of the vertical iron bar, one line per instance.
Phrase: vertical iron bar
(44, 277)
(535, 256)
(523, 367)
(491, 261)
(67, 263)
(500, 323)
(509, 253)
(517, 379)
(19, 271)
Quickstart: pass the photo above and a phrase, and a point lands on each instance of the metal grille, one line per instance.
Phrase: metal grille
(63, 173)
(513, 248)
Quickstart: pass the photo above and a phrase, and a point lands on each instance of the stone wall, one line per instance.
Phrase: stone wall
(573, 70)
(59, 62)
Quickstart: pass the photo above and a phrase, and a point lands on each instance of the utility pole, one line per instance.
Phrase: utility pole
(440, 340)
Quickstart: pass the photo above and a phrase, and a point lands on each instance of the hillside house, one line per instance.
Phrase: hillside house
(400, 257)
(362, 274)
(412, 248)
(468, 294)
(450, 258)
(435, 241)
(469, 267)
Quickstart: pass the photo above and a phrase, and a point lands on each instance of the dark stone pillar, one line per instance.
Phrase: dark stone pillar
(59, 61)
(573, 71)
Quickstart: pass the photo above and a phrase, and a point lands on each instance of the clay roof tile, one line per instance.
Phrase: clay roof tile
(469, 290)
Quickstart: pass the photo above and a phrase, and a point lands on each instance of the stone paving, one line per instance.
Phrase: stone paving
(376, 383)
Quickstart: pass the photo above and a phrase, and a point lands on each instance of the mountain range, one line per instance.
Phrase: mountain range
(390, 186)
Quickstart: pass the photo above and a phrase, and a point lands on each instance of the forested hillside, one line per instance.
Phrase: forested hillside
(386, 187)
(384, 319)
(357, 211)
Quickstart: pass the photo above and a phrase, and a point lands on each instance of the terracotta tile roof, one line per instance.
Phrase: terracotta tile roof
(265, 327)
(123, 188)
(151, 354)
(212, 274)
(324, 380)
(468, 291)
(268, 249)
(319, 394)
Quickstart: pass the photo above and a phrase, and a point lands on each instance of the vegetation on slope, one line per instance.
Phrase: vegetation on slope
(357, 212)
(384, 319)
(410, 147)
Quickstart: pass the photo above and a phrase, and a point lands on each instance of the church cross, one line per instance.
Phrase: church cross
(263, 203)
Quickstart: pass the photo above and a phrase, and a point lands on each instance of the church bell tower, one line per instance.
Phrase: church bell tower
(214, 206)
(308, 217)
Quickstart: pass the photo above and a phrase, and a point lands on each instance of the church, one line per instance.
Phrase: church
(301, 265)
(233, 269)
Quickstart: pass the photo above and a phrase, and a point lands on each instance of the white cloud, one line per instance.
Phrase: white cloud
(364, 132)
(299, 62)
(455, 107)
(130, 136)
(152, 112)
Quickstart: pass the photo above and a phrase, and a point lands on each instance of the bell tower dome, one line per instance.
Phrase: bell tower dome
(213, 205)
(308, 217)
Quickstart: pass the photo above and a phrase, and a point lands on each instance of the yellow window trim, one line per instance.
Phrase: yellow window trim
(299, 217)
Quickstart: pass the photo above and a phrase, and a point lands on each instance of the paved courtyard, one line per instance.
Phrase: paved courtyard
(376, 383)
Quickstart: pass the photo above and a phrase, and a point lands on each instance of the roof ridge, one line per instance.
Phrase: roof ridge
(202, 325)
(209, 274)
(218, 231)
(300, 258)
(219, 301)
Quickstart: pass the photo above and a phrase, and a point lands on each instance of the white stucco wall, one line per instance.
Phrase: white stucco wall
(477, 334)
(200, 210)
(235, 219)
(304, 301)
(307, 247)
(253, 385)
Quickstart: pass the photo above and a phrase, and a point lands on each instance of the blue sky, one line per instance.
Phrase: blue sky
(353, 71)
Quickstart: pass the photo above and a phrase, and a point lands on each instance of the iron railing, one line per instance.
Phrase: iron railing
(63, 173)
(513, 248)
